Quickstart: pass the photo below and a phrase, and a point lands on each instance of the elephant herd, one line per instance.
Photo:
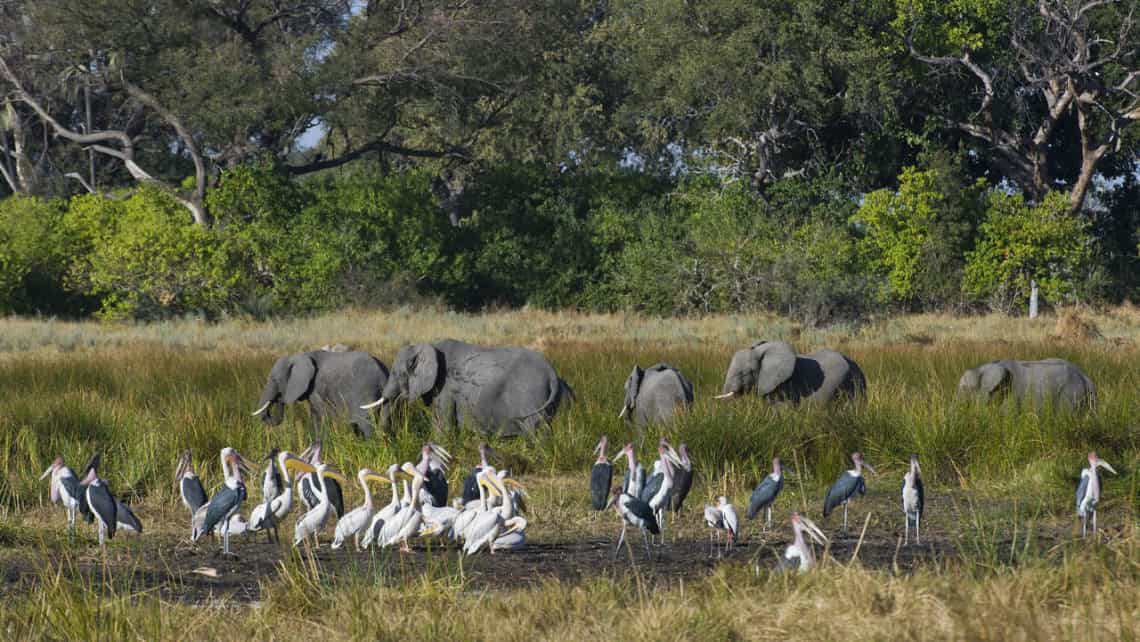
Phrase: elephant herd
(512, 390)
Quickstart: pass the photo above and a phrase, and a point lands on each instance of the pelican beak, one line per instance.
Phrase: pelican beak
(491, 486)
(727, 395)
(334, 474)
(379, 402)
(432, 528)
(813, 531)
(624, 409)
(261, 409)
(516, 524)
(295, 464)
(409, 470)
(376, 477)
(514, 483)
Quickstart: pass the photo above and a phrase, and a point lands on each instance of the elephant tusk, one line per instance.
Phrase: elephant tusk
(379, 402)
(727, 395)
(623, 411)
(261, 409)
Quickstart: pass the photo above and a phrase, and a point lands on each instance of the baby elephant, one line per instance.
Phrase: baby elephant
(655, 394)
(1056, 380)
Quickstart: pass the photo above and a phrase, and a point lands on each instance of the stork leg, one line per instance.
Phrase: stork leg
(845, 516)
(918, 528)
(226, 538)
(621, 538)
(648, 551)
(768, 520)
(1084, 526)
(1094, 523)
(102, 532)
(906, 530)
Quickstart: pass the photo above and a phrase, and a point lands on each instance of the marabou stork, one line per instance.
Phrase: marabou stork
(601, 476)
(471, 483)
(101, 502)
(310, 490)
(844, 488)
(65, 489)
(126, 517)
(800, 548)
(224, 504)
(314, 520)
(765, 494)
(913, 501)
(361, 516)
(636, 512)
(666, 462)
(1088, 492)
(682, 479)
(433, 466)
(634, 474)
(189, 486)
(268, 515)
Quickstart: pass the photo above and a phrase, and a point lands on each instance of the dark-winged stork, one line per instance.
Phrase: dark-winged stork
(353, 523)
(65, 489)
(667, 462)
(800, 548)
(276, 496)
(601, 476)
(310, 489)
(634, 481)
(189, 486)
(1088, 492)
(433, 466)
(657, 475)
(101, 502)
(682, 479)
(636, 512)
(844, 488)
(471, 482)
(765, 494)
(913, 501)
(126, 517)
(312, 522)
(225, 503)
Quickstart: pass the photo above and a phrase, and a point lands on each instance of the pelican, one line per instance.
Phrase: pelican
(65, 489)
(102, 503)
(601, 476)
(1088, 492)
(189, 486)
(493, 523)
(714, 520)
(682, 479)
(225, 503)
(913, 501)
(361, 516)
(801, 548)
(433, 466)
(405, 523)
(314, 520)
(471, 483)
(765, 494)
(270, 513)
(310, 490)
(471, 510)
(384, 514)
(844, 488)
(514, 538)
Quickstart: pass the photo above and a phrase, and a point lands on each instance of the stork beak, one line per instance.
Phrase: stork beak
(624, 409)
(440, 451)
(379, 402)
(1106, 466)
(247, 467)
(261, 409)
(47, 472)
(306, 453)
(672, 455)
(813, 531)
(601, 442)
(870, 467)
(727, 395)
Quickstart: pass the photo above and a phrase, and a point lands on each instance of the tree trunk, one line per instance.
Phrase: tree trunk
(1032, 298)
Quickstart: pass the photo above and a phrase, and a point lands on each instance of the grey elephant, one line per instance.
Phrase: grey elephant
(508, 390)
(655, 394)
(773, 370)
(1055, 380)
(332, 382)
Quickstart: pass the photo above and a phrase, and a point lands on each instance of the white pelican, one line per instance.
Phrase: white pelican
(312, 522)
(800, 548)
(361, 516)
(407, 522)
(384, 514)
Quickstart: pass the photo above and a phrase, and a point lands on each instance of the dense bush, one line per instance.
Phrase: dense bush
(34, 256)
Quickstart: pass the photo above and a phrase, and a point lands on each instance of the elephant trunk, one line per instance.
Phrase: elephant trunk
(270, 408)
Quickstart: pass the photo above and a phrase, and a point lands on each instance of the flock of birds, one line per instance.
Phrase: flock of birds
(487, 514)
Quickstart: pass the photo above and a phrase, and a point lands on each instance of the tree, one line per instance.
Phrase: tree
(1050, 80)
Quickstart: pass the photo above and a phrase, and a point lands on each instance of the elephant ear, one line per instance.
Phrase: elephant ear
(301, 375)
(633, 385)
(423, 370)
(993, 376)
(777, 362)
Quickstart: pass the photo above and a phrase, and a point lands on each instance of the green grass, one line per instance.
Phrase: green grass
(142, 394)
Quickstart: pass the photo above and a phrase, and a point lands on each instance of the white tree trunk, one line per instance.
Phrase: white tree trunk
(1032, 298)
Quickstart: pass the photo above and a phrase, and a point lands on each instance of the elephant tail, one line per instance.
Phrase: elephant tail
(558, 389)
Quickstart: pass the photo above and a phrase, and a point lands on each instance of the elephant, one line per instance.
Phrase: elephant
(1057, 380)
(330, 381)
(508, 390)
(773, 370)
(654, 394)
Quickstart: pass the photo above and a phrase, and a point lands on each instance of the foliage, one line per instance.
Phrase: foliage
(34, 256)
(144, 257)
(916, 235)
(1021, 243)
